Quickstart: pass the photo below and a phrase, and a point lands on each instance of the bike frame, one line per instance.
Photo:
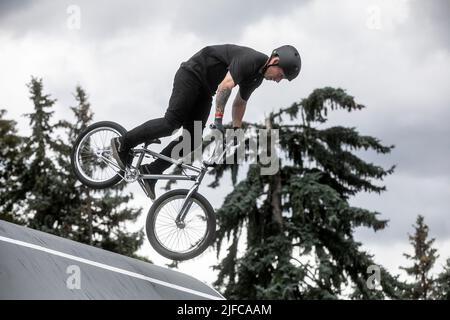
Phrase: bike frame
(198, 177)
(132, 174)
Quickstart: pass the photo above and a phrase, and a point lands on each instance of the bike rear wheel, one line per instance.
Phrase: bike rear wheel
(91, 158)
(175, 242)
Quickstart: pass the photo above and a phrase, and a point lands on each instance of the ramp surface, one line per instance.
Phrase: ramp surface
(37, 265)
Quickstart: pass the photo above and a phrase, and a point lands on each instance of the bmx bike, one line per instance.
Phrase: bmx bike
(181, 223)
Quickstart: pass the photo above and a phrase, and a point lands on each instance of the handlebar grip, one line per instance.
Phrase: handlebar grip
(212, 126)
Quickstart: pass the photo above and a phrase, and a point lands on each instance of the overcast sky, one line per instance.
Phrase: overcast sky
(393, 56)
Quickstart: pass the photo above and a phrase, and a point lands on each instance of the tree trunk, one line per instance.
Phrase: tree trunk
(275, 190)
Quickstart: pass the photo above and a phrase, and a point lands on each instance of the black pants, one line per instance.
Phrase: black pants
(189, 102)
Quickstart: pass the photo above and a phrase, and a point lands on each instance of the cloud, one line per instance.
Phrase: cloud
(407, 197)
(430, 23)
(393, 258)
(9, 6)
(99, 19)
(222, 21)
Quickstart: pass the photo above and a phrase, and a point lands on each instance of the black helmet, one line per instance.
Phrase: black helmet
(290, 61)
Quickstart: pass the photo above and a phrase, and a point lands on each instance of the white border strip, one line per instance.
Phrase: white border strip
(110, 268)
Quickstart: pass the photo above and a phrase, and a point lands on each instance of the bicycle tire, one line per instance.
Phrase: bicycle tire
(203, 244)
(75, 150)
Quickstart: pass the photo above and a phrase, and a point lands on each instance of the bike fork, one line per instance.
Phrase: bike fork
(188, 201)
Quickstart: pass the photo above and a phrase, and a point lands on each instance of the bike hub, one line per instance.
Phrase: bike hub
(181, 224)
(99, 153)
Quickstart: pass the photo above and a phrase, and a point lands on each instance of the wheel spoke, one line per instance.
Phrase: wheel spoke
(93, 163)
(184, 238)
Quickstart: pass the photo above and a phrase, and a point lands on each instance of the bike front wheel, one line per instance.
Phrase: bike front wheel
(185, 241)
(91, 158)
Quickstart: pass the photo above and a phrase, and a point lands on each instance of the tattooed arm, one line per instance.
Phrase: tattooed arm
(239, 106)
(222, 95)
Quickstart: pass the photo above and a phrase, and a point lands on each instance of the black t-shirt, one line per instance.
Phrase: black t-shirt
(211, 64)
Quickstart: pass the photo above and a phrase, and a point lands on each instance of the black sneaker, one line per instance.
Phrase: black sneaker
(121, 155)
(149, 184)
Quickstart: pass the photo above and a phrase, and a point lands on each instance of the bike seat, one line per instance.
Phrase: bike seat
(157, 141)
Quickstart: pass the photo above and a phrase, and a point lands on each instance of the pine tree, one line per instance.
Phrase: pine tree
(423, 261)
(298, 221)
(40, 179)
(10, 167)
(77, 223)
(442, 284)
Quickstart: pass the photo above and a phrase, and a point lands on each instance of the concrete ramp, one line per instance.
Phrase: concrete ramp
(37, 265)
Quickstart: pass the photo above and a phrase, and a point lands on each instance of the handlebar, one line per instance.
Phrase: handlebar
(220, 149)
